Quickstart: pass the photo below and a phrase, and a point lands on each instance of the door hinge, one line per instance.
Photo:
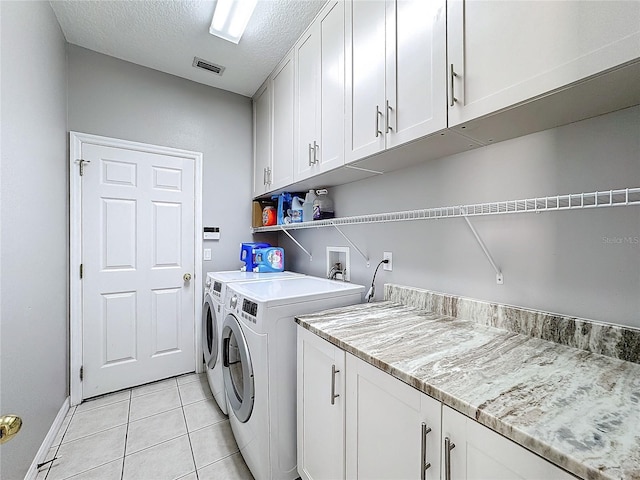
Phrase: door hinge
(81, 163)
(81, 270)
(82, 373)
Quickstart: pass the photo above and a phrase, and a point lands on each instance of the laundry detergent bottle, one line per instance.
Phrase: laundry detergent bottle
(307, 206)
(296, 210)
(323, 206)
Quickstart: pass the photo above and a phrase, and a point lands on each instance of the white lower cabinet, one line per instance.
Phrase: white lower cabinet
(357, 422)
(320, 420)
(392, 429)
(478, 453)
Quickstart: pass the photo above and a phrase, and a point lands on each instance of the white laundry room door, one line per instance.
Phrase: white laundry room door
(138, 229)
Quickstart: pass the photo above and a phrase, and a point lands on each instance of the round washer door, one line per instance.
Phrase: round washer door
(237, 369)
(210, 339)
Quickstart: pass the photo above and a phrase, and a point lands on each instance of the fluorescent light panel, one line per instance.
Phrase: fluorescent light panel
(230, 18)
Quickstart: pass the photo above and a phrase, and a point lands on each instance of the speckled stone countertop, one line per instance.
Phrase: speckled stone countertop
(579, 410)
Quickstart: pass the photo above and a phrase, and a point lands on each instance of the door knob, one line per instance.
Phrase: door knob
(10, 425)
(186, 277)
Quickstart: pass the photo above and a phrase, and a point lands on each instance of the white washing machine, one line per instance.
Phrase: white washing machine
(259, 364)
(213, 316)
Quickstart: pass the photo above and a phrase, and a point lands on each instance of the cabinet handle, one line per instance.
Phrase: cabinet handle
(448, 446)
(310, 149)
(315, 152)
(334, 395)
(268, 175)
(452, 74)
(387, 119)
(378, 113)
(424, 466)
(264, 176)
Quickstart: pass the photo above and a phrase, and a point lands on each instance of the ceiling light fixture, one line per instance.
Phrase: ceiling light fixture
(230, 18)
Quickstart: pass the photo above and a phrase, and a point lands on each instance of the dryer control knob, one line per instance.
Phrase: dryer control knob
(233, 303)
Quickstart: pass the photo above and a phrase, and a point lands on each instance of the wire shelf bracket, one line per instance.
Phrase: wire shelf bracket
(296, 242)
(499, 275)
(352, 244)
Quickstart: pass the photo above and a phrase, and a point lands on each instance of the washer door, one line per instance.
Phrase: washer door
(237, 369)
(210, 339)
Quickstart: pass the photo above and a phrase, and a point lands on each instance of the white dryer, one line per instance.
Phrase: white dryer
(213, 316)
(259, 364)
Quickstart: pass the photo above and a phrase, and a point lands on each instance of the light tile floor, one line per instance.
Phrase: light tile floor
(172, 429)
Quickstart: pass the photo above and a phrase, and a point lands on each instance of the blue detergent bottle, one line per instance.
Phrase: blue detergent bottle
(248, 253)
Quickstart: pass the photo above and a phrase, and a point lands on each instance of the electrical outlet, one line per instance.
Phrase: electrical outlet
(388, 266)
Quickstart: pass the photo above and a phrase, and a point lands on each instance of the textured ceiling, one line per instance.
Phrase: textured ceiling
(166, 35)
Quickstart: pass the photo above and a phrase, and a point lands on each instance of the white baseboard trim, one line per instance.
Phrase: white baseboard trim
(48, 441)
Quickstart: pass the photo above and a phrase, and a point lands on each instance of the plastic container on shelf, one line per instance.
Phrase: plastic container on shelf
(307, 206)
(323, 206)
(296, 212)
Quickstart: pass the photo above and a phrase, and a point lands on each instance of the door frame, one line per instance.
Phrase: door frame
(76, 141)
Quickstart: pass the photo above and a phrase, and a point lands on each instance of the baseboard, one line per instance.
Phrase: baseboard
(48, 441)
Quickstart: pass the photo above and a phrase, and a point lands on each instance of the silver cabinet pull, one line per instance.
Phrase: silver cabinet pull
(334, 395)
(264, 176)
(315, 152)
(310, 150)
(378, 113)
(424, 465)
(452, 74)
(268, 176)
(388, 117)
(448, 446)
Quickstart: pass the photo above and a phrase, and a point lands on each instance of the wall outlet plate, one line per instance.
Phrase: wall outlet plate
(388, 266)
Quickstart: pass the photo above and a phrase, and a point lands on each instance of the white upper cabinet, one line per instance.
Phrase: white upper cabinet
(396, 85)
(319, 99)
(365, 83)
(261, 139)
(504, 53)
(282, 124)
(416, 78)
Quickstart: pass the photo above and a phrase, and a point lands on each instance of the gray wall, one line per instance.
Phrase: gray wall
(584, 263)
(114, 98)
(33, 255)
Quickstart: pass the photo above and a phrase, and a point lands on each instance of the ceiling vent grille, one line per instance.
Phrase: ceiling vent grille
(211, 67)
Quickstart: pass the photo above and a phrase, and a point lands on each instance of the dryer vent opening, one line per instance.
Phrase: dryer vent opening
(211, 67)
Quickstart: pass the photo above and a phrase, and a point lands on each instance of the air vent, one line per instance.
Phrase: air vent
(212, 67)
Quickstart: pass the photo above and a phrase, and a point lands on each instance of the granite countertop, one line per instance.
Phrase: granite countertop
(579, 410)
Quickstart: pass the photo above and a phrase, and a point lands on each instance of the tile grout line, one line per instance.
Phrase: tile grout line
(195, 466)
(126, 434)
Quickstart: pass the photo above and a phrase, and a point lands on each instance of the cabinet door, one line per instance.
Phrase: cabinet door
(480, 453)
(320, 415)
(261, 138)
(416, 69)
(282, 124)
(384, 418)
(307, 58)
(365, 80)
(506, 52)
(332, 94)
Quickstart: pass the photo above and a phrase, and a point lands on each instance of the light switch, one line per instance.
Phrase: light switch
(207, 254)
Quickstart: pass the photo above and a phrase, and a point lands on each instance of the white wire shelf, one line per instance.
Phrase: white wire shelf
(573, 201)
